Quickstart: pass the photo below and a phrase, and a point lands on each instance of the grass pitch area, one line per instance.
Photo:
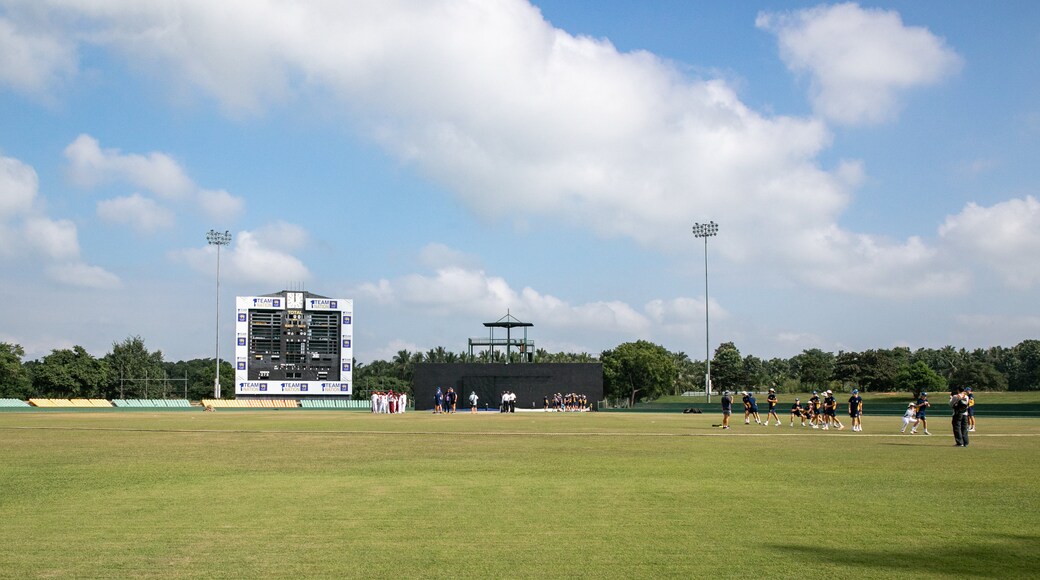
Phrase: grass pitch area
(600, 495)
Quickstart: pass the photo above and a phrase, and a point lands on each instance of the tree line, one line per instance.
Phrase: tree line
(632, 371)
(128, 371)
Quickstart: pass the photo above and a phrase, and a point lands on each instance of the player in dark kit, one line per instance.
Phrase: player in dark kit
(796, 412)
(856, 410)
(920, 418)
(814, 410)
(771, 399)
(753, 407)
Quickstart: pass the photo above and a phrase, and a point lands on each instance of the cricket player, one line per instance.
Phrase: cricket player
(921, 418)
(856, 410)
(909, 416)
(971, 409)
(772, 401)
(796, 412)
(727, 408)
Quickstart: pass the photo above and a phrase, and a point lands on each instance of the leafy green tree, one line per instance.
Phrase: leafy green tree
(919, 377)
(1026, 372)
(778, 371)
(727, 368)
(130, 364)
(755, 371)
(980, 376)
(636, 370)
(815, 367)
(879, 369)
(14, 378)
(71, 373)
(847, 370)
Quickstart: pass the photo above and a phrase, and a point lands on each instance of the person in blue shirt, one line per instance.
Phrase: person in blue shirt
(753, 407)
(438, 397)
(856, 410)
(920, 418)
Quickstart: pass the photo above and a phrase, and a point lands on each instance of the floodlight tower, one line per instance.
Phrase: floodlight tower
(218, 239)
(706, 231)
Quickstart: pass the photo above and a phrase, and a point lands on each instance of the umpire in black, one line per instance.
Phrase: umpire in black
(959, 403)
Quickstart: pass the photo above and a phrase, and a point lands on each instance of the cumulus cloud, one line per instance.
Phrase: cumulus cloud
(18, 186)
(140, 213)
(220, 205)
(90, 166)
(436, 255)
(83, 275)
(26, 231)
(34, 62)
(1004, 237)
(521, 119)
(253, 256)
(457, 291)
(859, 60)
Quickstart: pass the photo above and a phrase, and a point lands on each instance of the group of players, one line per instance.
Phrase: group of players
(821, 413)
(818, 413)
(389, 402)
(571, 402)
(917, 413)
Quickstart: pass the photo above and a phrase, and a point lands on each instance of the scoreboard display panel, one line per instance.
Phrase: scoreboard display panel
(293, 343)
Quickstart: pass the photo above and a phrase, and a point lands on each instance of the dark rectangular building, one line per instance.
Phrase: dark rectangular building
(530, 381)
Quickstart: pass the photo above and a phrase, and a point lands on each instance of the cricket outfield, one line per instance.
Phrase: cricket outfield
(595, 495)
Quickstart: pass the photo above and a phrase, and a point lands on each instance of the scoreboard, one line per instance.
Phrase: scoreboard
(293, 343)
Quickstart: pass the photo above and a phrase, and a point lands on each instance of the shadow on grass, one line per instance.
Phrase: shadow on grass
(998, 556)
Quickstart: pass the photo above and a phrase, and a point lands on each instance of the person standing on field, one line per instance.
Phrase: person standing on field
(971, 409)
(727, 408)
(772, 401)
(959, 403)
(922, 406)
(856, 410)
(473, 398)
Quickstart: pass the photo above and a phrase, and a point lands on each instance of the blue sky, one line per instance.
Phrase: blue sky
(872, 168)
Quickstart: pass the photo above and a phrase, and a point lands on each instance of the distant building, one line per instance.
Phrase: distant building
(293, 344)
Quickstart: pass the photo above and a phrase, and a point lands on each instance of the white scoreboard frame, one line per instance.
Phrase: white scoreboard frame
(342, 387)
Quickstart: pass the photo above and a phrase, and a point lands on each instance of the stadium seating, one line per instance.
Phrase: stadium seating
(336, 404)
(250, 404)
(70, 403)
(151, 403)
(13, 403)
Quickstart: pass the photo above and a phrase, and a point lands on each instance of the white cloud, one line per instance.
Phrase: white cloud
(55, 239)
(454, 291)
(90, 166)
(83, 275)
(1004, 237)
(141, 213)
(871, 266)
(26, 231)
(436, 255)
(253, 256)
(220, 205)
(859, 59)
(509, 112)
(18, 186)
(32, 62)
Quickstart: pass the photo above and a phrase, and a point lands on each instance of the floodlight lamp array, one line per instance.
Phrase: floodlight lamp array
(217, 238)
(705, 230)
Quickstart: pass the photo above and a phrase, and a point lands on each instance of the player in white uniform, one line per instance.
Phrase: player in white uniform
(909, 416)
(375, 402)
(402, 404)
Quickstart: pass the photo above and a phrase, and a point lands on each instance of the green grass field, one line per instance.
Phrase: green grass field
(601, 495)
